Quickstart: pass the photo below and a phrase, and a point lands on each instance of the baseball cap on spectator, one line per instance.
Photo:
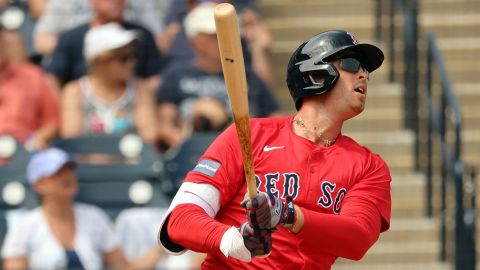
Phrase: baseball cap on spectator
(200, 20)
(104, 38)
(46, 163)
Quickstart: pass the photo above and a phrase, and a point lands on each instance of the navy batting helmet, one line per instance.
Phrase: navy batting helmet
(312, 57)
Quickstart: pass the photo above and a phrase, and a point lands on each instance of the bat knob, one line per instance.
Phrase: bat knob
(264, 256)
(224, 10)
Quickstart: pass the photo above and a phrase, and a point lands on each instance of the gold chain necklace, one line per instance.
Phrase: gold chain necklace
(300, 122)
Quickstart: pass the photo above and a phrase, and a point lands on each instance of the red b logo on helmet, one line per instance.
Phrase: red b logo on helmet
(354, 39)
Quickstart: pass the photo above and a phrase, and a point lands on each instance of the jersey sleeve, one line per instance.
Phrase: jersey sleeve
(190, 227)
(217, 167)
(221, 166)
(365, 212)
(374, 188)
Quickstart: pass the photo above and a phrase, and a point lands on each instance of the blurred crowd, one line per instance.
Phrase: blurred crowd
(93, 67)
(111, 66)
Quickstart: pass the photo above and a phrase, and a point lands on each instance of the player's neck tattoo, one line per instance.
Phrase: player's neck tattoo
(315, 131)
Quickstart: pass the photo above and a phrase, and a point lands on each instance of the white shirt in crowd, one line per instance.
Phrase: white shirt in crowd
(30, 236)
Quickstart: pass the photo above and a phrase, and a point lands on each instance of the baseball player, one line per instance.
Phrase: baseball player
(320, 196)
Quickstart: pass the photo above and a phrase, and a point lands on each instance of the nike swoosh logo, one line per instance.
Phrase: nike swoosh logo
(270, 148)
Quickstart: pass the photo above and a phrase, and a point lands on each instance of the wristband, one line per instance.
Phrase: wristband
(232, 245)
(290, 218)
(293, 229)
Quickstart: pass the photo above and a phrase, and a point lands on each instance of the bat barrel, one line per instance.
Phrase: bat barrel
(233, 66)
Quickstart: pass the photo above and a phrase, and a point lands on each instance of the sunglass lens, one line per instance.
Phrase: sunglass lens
(350, 64)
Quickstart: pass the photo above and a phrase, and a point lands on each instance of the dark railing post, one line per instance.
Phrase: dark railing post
(429, 188)
(414, 78)
(407, 63)
(470, 256)
(443, 211)
(465, 253)
(378, 20)
(445, 174)
(391, 40)
(411, 64)
(459, 214)
(380, 36)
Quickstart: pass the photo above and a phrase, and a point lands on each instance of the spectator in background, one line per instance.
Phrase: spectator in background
(61, 16)
(37, 8)
(201, 78)
(137, 228)
(29, 108)
(62, 234)
(15, 17)
(67, 62)
(108, 99)
(256, 37)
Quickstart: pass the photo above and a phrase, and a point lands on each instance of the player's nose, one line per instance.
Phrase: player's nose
(363, 74)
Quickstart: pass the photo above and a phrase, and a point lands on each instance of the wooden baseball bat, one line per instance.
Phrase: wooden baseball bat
(235, 79)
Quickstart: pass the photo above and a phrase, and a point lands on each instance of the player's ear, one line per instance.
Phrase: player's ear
(318, 78)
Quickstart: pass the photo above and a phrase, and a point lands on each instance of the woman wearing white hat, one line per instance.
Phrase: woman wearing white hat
(108, 100)
(62, 234)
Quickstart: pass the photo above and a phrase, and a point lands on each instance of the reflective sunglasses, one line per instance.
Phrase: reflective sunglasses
(119, 57)
(351, 65)
(124, 58)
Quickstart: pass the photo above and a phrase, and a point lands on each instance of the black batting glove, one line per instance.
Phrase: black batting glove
(258, 242)
(266, 211)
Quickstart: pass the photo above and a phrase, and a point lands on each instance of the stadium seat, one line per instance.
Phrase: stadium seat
(14, 188)
(15, 193)
(116, 172)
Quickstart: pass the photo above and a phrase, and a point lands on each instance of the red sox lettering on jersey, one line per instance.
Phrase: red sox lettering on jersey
(272, 183)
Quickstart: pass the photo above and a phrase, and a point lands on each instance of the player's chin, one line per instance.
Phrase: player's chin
(354, 111)
(360, 109)
(357, 108)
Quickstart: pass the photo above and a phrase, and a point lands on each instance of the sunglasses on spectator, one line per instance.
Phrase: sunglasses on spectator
(351, 64)
(123, 58)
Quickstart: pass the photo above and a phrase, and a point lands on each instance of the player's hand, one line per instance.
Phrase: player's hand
(266, 211)
(244, 243)
(258, 242)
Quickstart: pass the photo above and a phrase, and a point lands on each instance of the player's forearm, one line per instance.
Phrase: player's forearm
(191, 227)
(341, 235)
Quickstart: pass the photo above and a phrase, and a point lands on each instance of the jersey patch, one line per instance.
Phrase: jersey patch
(207, 167)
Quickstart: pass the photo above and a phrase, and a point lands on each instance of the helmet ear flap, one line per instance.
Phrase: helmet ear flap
(318, 79)
(312, 71)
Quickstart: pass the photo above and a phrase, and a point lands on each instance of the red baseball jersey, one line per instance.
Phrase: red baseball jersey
(333, 185)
